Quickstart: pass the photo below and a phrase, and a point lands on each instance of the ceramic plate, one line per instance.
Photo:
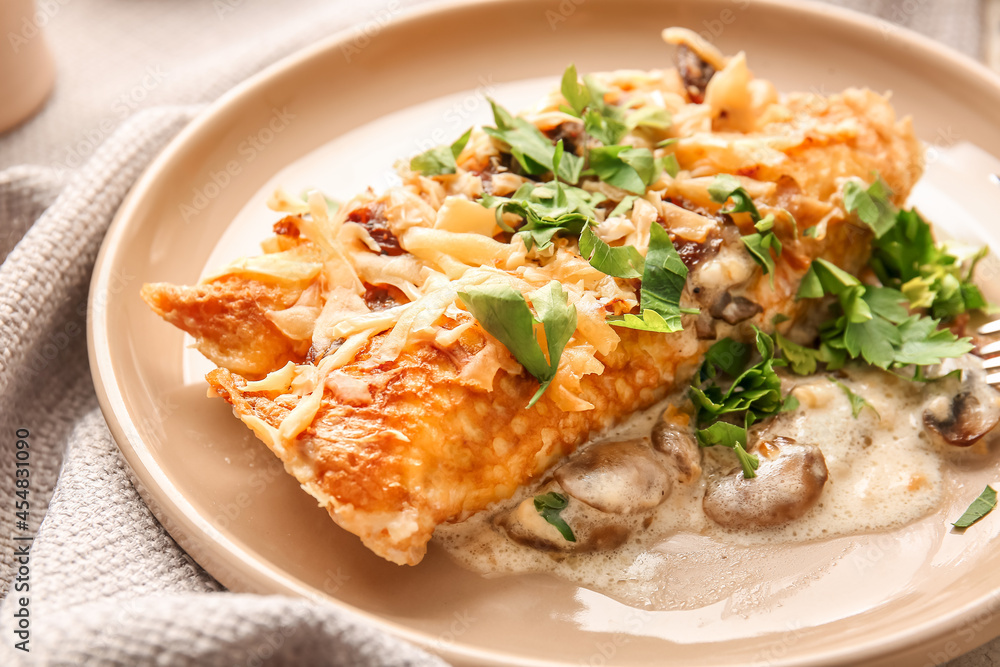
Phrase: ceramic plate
(336, 116)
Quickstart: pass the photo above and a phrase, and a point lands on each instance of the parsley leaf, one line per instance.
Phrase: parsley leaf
(734, 437)
(548, 209)
(620, 262)
(624, 206)
(931, 276)
(651, 116)
(979, 508)
(549, 506)
(858, 403)
(873, 323)
(605, 122)
(760, 244)
(503, 312)
(625, 167)
(576, 93)
(440, 159)
(923, 344)
(725, 187)
(801, 360)
(727, 355)
(724, 416)
(669, 164)
(663, 278)
(606, 129)
(532, 149)
(871, 205)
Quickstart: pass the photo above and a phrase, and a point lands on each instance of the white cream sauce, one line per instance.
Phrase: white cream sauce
(885, 470)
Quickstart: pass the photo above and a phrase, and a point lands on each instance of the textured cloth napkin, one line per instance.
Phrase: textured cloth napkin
(108, 584)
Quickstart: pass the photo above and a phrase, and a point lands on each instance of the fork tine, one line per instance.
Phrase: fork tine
(993, 378)
(990, 328)
(992, 363)
(990, 348)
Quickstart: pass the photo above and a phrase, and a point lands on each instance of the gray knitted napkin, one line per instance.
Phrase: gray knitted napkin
(107, 584)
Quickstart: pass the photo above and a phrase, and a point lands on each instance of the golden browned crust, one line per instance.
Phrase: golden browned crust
(227, 319)
(463, 449)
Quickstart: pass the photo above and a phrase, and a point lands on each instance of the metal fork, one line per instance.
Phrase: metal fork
(991, 328)
(990, 349)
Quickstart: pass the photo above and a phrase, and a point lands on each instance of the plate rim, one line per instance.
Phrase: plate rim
(217, 553)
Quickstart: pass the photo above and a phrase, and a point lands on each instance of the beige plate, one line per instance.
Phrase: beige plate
(913, 597)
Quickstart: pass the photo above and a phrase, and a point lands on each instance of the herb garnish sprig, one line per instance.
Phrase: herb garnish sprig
(905, 256)
(724, 414)
(503, 312)
(873, 323)
(979, 508)
(761, 243)
(550, 506)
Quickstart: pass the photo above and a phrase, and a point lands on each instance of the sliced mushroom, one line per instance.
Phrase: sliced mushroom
(964, 418)
(591, 528)
(704, 326)
(681, 448)
(695, 72)
(570, 132)
(789, 481)
(734, 309)
(616, 477)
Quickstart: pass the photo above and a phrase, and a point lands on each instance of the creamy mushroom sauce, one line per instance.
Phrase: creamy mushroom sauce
(649, 507)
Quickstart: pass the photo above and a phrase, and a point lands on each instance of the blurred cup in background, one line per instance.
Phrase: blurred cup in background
(27, 69)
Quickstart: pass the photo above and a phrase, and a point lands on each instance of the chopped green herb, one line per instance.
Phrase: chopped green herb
(663, 280)
(607, 130)
(440, 159)
(503, 312)
(549, 506)
(734, 437)
(931, 276)
(725, 187)
(871, 205)
(621, 262)
(667, 142)
(724, 416)
(548, 209)
(801, 360)
(532, 149)
(858, 403)
(669, 164)
(874, 324)
(576, 93)
(625, 167)
(979, 508)
(759, 244)
(811, 232)
(624, 206)
(655, 117)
